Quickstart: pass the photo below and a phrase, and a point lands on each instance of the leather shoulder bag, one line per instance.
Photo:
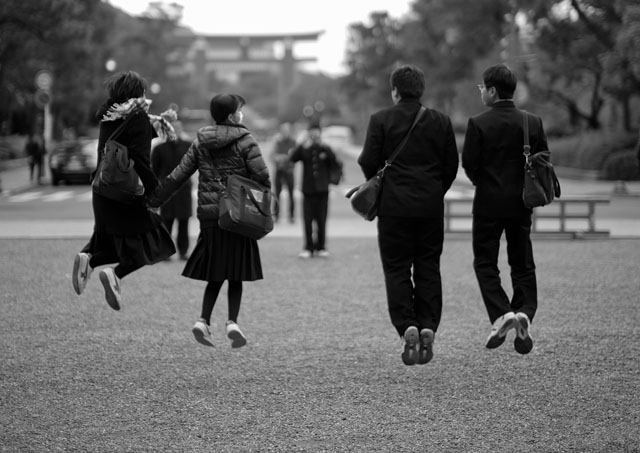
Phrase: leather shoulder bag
(365, 197)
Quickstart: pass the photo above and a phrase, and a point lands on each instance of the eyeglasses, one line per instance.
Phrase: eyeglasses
(483, 87)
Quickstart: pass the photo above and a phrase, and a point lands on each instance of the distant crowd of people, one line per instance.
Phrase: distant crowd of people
(410, 222)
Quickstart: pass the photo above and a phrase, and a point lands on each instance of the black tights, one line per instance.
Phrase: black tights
(234, 295)
(121, 270)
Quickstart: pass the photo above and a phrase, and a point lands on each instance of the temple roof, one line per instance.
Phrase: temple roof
(308, 36)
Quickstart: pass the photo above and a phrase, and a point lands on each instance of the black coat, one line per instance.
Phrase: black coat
(164, 158)
(118, 218)
(317, 160)
(492, 158)
(417, 180)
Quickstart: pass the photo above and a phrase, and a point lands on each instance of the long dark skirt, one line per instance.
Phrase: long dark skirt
(221, 255)
(137, 249)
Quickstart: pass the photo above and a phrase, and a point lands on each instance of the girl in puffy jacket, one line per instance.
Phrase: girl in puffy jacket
(219, 255)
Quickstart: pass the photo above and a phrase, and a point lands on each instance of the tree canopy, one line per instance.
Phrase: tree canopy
(577, 54)
(580, 56)
(73, 40)
(59, 36)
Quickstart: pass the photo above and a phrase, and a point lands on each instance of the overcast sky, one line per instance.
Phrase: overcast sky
(282, 16)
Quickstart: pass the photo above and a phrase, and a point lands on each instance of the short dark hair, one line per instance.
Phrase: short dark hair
(409, 81)
(125, 85)
(314, 125)
(502, 78)
(223, 105)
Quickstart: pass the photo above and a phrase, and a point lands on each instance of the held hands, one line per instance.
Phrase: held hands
(170, 115)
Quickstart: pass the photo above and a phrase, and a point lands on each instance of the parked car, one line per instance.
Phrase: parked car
(73, 161)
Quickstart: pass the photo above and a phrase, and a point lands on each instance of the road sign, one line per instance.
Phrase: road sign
(41, 98)
(44, 80)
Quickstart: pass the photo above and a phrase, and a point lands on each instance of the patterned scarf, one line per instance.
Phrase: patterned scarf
(161, 123)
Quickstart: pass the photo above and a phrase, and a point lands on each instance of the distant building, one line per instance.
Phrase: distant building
(204, 59)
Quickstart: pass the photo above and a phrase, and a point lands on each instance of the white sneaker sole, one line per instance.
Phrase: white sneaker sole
(425, 354)
(237, 339)
(111, 296)
(497, 338)
(201, 337)
(411, 340)
(80, 262)
(523, 343)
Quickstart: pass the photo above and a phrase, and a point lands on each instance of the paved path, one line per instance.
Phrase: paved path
(621, 217)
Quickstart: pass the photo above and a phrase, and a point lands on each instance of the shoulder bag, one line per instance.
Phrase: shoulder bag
(115, 178)
(541, 185)
(365, 197)
(245, 207)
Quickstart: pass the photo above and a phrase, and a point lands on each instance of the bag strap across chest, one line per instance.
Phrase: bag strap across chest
(396, 151)
(526, 149)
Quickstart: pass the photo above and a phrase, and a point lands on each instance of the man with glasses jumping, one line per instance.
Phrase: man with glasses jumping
(492, 158)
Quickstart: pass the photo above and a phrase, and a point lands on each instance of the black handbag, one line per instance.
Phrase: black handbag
(115, 178)
(365, 197)
(541, 185)
(245, 207)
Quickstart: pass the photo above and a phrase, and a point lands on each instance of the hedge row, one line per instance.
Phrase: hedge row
(614, 155)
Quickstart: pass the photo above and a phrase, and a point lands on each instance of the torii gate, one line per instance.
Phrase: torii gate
(228, 56)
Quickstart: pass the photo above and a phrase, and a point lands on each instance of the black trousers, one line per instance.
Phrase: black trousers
(315, 208)
(487, 232)
(410, 250)
(284, 178)
(182, 240)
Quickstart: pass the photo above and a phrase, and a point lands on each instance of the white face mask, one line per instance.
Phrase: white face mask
(236, 117)
(395, 97)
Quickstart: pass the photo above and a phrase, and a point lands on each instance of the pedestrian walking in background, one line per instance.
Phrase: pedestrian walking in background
(317, 159)
(128, 235)
(284, 175)
(638, 151)
(219, 255)
(411, 208)
(493, 160)
(164, 158)
(35, 151)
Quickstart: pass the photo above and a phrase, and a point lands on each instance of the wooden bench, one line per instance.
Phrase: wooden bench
(567, 217)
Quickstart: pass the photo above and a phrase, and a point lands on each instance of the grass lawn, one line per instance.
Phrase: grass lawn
(322, 370)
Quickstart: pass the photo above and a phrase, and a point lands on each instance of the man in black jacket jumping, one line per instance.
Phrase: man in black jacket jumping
(411, 209)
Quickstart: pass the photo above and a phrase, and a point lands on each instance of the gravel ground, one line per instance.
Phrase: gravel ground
(322, 370)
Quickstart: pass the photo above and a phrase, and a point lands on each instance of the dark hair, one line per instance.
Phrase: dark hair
(502, 78)
(314, 125)
(124, 86)
(409, 81)
(223, 105)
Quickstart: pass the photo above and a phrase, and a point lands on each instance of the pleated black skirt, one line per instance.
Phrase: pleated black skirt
(137, 249)
(221, 255)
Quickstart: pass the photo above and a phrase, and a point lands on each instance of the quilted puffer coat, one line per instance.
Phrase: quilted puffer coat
(231, 149)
